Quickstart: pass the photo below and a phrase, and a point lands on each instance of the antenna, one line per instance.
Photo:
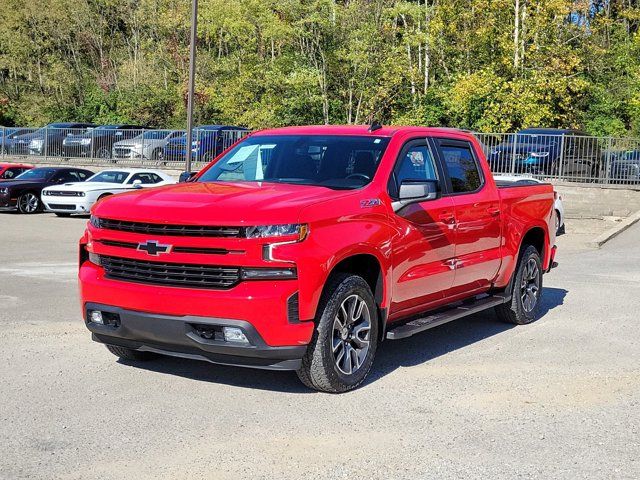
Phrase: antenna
(375, 125)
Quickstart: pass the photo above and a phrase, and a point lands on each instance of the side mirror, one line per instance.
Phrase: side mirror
(414, 191)
(137, 184)
(186, 176)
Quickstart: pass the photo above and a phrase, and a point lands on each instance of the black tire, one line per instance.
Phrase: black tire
(320, 370)
(516, 311)
(29, 202)
(559, 228)
(63, 215)
(103, 153)
(129, 354)
(157, 155)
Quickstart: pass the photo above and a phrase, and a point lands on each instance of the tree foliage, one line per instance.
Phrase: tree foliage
(489, 66)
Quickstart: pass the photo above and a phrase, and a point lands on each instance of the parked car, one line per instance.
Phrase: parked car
(207, 143)
(147, 145)
(46, 140)
(8, 171)
(79, 197)
(7, 137)
(625, 167)
(507, 180)
(98, 142)
(541, 151)
(23, 193)
(301, 248)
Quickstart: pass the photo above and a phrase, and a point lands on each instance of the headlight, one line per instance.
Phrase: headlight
(540, 154)
(95, 221)
(4, 191)
(81, 194)
(85, 141)
(274, 231)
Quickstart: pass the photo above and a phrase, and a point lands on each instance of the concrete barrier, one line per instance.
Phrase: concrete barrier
(589, 201)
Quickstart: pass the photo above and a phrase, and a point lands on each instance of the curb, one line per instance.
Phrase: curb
(615, 231)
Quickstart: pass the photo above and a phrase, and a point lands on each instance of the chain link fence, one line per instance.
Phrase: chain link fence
(577, 158)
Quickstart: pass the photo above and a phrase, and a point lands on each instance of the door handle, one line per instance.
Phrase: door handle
(448, 218)
(493, 211)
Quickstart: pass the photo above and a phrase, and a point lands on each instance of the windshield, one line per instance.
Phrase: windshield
(36, 174)
(109, 176)
(331, 161)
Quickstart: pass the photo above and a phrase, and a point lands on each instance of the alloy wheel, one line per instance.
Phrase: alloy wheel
(530, 285)
(351, 334)
(28, 203)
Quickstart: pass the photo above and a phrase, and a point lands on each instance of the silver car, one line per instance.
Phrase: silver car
(148, 145)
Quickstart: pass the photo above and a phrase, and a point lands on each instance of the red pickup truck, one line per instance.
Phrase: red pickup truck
(303, 248)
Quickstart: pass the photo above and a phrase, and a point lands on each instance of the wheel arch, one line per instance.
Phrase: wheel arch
(369, 267)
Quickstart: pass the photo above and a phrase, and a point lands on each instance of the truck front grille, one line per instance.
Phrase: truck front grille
(174, 230)
(170, 274)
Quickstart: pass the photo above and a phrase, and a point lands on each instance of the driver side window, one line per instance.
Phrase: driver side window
(416, 164)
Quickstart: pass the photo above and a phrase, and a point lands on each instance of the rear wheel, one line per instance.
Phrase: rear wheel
(130, 354)
(158, 155)
(28, 203)
(344, 342)
(527, 290)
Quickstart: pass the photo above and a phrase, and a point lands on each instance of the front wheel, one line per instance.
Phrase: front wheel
(527, 290)
(28, 203)
(345, 340)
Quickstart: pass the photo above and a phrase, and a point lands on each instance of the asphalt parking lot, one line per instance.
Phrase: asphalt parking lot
(472, 399)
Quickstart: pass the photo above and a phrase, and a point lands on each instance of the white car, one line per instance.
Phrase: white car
(79, 197)
(559, 208)
(148, 145)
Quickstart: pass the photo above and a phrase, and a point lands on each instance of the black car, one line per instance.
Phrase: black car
(23, 192)
(98, 142)
(46, 140)
(8, 136)
(548, 151)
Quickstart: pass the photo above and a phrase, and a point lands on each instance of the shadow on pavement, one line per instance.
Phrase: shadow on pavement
(390, 356)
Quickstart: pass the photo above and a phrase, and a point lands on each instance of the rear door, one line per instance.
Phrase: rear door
(424, 246)
(478, 219)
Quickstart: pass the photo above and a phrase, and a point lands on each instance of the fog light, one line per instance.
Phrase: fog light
(233, 334)
(96, 317)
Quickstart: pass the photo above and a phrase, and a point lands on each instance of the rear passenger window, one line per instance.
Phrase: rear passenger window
(462, 167)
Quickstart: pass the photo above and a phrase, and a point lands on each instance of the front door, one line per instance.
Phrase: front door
(424, 247)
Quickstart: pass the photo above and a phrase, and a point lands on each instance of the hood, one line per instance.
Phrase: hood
(524, 147)
(27, 137)
(133, 142)
(86, 186)
(237, 204)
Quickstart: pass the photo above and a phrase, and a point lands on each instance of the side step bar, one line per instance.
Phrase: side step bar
(454, 313)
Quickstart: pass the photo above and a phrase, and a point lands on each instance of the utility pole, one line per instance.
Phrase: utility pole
(192, 79)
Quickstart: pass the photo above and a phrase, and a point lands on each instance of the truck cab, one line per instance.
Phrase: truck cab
(303, 248)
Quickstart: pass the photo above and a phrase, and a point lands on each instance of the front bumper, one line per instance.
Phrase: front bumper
(178, 336)
(8, 203)
(66, 204)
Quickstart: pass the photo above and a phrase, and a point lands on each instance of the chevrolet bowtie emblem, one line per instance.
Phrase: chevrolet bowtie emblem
(152, 247)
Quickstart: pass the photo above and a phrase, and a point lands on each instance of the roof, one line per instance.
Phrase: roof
(385, 131)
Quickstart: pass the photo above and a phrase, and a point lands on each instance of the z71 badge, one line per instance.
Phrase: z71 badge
(370, 202)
